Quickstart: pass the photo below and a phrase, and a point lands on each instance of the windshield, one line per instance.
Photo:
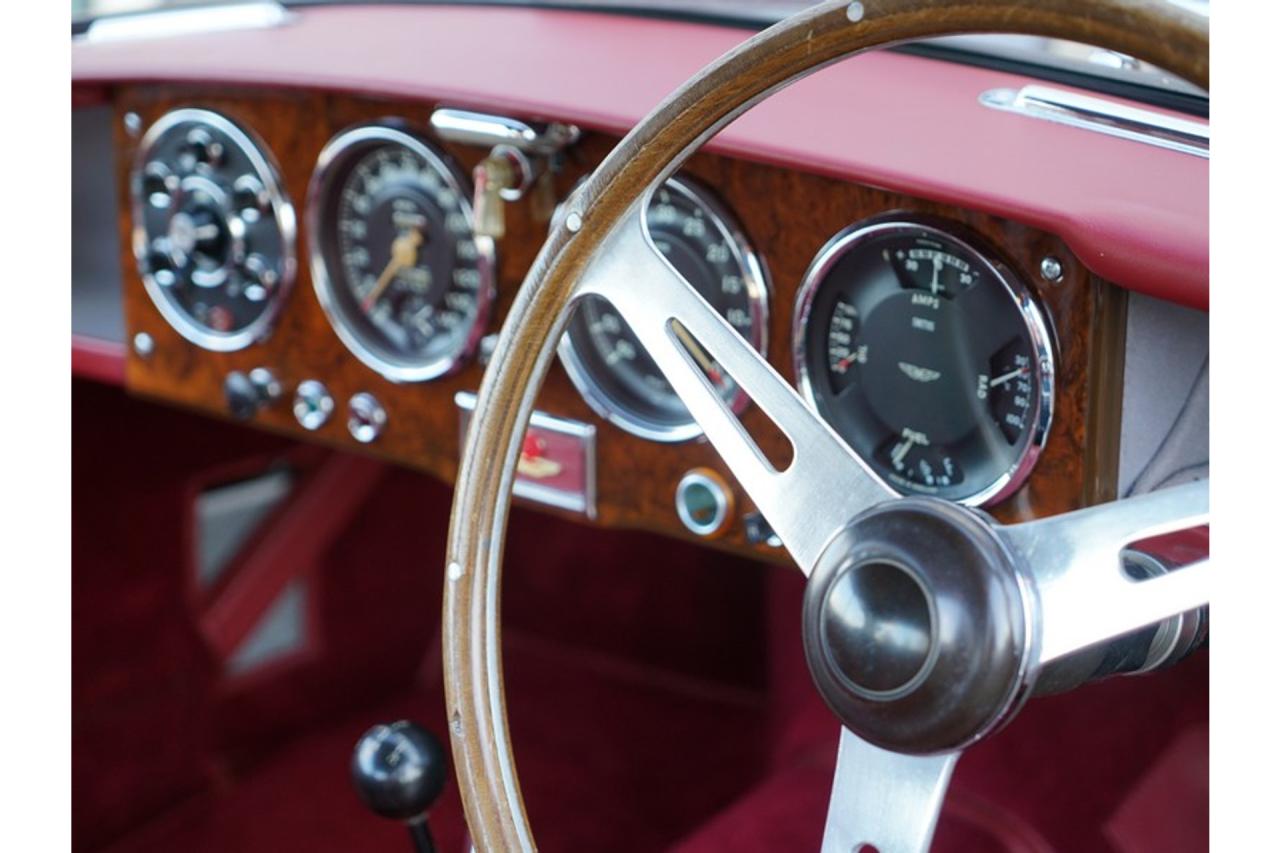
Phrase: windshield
(1047, 53)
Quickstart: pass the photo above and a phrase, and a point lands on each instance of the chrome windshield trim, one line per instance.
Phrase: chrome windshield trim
(1101, 115)
(165, 23)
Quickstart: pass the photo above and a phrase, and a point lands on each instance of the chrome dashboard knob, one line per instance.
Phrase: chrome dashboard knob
(247, 394)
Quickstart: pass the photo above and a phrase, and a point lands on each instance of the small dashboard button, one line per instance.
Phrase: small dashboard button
(365, 417)
(246, 395)
(312, 404)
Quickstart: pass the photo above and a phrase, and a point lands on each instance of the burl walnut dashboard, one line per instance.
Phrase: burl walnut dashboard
(1051, 395)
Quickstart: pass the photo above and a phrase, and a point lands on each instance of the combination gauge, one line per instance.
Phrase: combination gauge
(929, 356)
(213, 230)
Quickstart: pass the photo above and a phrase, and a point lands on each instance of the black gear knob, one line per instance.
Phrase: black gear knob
(399, 770)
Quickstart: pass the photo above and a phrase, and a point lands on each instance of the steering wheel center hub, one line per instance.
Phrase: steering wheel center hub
(877, 628)
(915, 627)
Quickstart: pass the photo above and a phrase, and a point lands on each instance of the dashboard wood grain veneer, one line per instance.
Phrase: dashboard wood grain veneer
(788, 216)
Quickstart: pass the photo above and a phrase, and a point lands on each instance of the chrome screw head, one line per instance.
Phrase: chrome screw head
(143, 345)
(1051, 269)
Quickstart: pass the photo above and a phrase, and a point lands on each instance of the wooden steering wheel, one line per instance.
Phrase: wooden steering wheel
(1007, 600)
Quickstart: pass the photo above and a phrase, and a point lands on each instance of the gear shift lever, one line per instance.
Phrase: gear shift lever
(399, 770)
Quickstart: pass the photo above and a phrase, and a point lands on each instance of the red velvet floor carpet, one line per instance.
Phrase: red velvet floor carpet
(620, 761)
(610, 761)
(658, 693)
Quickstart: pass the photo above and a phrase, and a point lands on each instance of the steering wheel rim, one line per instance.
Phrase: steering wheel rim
(592, 220)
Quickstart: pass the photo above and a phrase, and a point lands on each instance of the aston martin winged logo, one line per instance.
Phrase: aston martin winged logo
(533, 461)
(919, 374)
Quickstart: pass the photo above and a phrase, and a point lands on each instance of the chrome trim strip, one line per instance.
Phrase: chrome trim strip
(1033, 318)
(485, 130)
(1102, 116)
(330, 166)
(759, 289)
(166, 23)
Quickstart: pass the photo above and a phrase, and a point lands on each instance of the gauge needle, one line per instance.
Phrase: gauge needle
(1012, 374)
(900, 452)
(404, 254)
(937, 271)
(699, 355)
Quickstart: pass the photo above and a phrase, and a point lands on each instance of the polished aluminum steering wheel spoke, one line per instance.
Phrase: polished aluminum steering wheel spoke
(824, 486)
(885, 799)
(1084, 595)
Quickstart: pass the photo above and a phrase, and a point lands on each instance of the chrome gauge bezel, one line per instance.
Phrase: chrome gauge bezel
(333, 159)
(264, 165)
(1026, 301)
(758, 289)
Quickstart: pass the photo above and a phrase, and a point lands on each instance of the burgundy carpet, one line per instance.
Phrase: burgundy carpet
(658, 694)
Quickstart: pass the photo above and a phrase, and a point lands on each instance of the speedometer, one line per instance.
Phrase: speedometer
(604, 359)
(405, 282)
(928, 356)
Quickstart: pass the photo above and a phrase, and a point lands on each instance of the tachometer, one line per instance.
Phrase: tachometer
(928, 356)
(404, 280)
(614, 374)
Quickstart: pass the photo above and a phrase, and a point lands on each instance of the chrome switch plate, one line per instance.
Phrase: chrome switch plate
(557, 462)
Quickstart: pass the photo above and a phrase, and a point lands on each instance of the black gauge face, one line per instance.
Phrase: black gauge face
(213, 231)
(928, 359)
(405, 281)
(606, 360)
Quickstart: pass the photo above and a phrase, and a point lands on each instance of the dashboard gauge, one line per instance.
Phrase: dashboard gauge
(213, 230)
(404, 280)
(930, 358)
(701, 239)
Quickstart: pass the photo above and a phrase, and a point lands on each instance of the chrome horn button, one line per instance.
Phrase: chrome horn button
(918, 627)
